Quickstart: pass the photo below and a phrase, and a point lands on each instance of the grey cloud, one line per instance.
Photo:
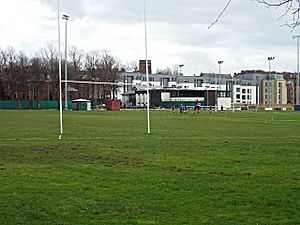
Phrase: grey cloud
(245, 28)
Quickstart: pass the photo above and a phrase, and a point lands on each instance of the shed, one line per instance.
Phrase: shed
(113, 105)
(82, 104)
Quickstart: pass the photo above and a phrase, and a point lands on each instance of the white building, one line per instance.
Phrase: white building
(244, 95)
(178, 88)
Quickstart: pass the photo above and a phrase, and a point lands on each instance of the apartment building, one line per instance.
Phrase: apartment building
(274, 92)
(271, 88)
(244, 95)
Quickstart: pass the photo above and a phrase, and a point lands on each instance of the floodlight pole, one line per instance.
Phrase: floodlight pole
(216, 105)
(178, 76)
(207, 86)
(59, 72)
(220, 63)
(297, 78)
(66, 18)
(147, 71)
(270, 81)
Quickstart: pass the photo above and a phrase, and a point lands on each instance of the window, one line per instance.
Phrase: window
(243, 91)
(238, 96)
(243, 97)
(151, 78)
(248, 97)
(138, 77)
(144, 78)
(249, 91)
(198, 82)
(238, 90)
(129, 79)
(174, 79)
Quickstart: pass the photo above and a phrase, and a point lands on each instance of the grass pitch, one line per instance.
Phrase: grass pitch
(218, 168)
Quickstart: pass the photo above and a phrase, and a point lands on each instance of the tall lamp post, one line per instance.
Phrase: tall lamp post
(297, 78)
(220, 63)
(270, 81)
(66, 18)
(216, 93)
(180, 66)
(207, 86)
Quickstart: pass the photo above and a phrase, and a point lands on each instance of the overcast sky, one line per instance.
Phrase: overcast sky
(178, 32)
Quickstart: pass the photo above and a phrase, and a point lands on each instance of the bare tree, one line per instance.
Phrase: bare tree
(167, 70)
(15, 73)
(3, 61)
(103, 67)
(109, 72)
(76, 62)
(2, 91)
(22, 75)
(10, 71)
(2, 66)
(132, 66)
(25, 77)
(91, 69)
(50, 61)
(38, 76)
(291, 11)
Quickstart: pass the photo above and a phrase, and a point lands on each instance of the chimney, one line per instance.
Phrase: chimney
(142, 66)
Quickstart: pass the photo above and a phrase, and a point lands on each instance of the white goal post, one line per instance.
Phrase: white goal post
(95, 82)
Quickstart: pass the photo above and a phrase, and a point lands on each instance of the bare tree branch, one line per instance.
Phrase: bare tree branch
(219, 16)
(292, 9)
(276, 4)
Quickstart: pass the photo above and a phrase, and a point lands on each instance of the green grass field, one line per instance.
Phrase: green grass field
(220, 168)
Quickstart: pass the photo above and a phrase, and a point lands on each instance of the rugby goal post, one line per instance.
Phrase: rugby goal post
(96, 83)
(59, 70)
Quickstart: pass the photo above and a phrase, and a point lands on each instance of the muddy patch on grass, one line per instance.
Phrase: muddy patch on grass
(83, 154)
(113, 161)
(225, 174)
(182, 169)
(59, 148)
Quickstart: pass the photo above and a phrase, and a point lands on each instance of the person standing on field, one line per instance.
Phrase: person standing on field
(197, 107)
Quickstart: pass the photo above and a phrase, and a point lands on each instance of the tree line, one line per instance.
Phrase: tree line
(21, 74)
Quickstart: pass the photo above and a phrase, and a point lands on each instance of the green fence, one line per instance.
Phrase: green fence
(26, 104)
